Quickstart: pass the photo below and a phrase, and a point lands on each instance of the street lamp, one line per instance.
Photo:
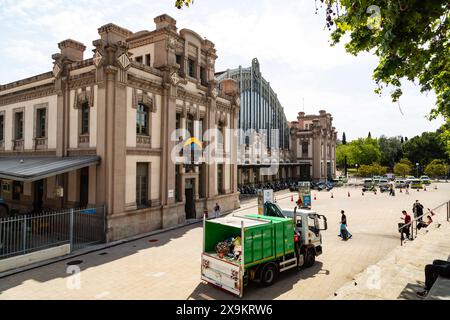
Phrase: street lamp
(356, 165)
(417, 167)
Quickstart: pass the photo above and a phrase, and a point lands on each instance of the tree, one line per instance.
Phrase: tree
(342, 151)
(437, 168)
(365, 151)
(369, 135)
(374, 169)
(410, 39)
(402, 140)
(424, 148)
(391, 150)
(344, 139)
(402, 169)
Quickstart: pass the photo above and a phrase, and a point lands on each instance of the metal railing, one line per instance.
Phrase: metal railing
(28, 233)
(414, 222)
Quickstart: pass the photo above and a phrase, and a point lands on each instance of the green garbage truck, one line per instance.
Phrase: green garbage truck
(239, 249)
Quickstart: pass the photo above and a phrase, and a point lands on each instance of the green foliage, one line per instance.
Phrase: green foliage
(365, 151)
(411, 42)
(361, 151)
(424, 148)
(183, 3)
(437, 168)
(374, 169)
(391, 150)
(402, 169)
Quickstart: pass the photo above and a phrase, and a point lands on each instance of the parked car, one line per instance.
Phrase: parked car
(383, 183)
(425, 180)
(401, 183)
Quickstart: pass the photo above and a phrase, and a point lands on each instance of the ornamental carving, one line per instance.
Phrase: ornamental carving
(145, 98)
(82, 96)
(97, 59)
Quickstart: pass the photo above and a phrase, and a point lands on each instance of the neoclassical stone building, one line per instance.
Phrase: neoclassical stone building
(101, 130)
(314, 145)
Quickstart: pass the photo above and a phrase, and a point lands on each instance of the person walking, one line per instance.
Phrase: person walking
(405, 226)
(343, 231)
(407, 189)
(418, 210)
(432, 272)
(217, 210)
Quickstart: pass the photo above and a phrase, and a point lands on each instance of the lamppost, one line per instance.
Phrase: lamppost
(417, 167)
(356, 165)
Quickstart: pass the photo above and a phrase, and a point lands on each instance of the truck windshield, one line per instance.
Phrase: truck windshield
(272, 210)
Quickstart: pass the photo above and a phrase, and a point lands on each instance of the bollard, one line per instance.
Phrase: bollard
(292, 198)
(349, 194)
(315, 198)
(332, 196)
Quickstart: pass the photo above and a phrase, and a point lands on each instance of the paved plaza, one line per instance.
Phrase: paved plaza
(167, 265)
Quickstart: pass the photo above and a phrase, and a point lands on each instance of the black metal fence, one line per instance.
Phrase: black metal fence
(33, 232)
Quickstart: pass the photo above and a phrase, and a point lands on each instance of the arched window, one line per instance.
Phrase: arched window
(142, 120)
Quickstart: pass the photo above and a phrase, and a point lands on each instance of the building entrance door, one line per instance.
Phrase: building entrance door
(189, 207)
(84, 187)
(305, 172)
(38, 195)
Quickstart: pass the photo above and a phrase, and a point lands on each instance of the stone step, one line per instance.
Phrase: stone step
(401, 272)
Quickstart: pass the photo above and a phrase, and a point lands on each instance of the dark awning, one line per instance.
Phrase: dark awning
(36, 168)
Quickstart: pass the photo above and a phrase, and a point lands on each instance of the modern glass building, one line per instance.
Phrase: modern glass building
(260, 108)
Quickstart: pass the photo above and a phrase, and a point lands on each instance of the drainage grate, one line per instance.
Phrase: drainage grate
(153, 240)
(74, 262)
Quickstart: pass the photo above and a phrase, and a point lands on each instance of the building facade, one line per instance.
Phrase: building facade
(106, 127)
(314, 146)
(262, 121)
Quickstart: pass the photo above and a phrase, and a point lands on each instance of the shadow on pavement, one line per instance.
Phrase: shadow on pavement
(285, 282)
(86, 261)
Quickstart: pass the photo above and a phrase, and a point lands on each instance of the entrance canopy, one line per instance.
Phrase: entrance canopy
(29, 169)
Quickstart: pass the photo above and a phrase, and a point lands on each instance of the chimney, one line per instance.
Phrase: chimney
(229, 87)
(72, 50)
(112, 34)
(165, 21)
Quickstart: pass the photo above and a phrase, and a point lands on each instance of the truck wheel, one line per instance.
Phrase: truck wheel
(310, 258)
(268, 275)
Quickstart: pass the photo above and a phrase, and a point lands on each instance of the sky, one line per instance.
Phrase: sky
(288, 38)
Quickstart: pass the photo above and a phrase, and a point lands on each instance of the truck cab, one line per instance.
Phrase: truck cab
(308, 225)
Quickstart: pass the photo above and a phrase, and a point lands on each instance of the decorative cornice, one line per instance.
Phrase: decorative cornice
(29, 94)
(145, 84)
(143, 152)
(22, 82)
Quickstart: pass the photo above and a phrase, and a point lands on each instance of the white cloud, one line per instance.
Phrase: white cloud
(288, 39)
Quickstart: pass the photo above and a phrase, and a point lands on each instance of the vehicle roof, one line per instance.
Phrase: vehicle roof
(236, 221)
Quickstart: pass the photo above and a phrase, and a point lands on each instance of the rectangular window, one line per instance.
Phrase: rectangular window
(148, 60)
(18, 126)
(305, 147)
(203, 76)
(220, 133)
(179, 61)
(220, 184)
(142, 184)
(2, 127)
(191, 68)
(41, 116)
(142, 120)
(139, 59)
(85, 118)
